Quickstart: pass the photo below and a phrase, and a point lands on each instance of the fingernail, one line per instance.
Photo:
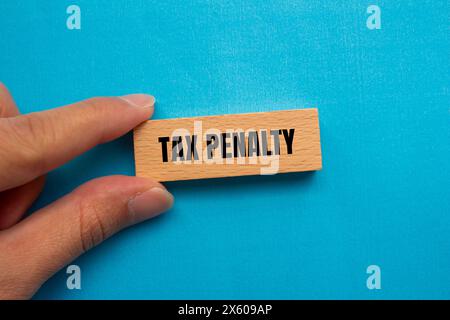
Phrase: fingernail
(140, 100)
(150, 203)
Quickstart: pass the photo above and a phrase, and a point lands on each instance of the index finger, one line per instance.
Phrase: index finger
(33, 144)
(8, 107)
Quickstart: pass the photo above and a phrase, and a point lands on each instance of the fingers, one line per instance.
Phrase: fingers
(31, 145)
(52, 237)
(15, 202)
(7, 106)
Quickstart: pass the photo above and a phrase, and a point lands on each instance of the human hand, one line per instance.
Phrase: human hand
(31, 145)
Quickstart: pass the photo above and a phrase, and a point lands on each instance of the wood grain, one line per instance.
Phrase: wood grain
(301, 131)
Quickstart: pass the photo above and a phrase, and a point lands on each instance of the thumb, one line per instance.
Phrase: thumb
(49, 239)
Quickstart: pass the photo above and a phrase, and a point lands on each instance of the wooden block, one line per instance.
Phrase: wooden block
(228, 145)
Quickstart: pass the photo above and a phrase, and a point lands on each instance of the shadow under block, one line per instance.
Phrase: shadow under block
(228, 145)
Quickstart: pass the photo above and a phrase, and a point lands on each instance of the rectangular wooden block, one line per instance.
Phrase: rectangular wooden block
(228, 145)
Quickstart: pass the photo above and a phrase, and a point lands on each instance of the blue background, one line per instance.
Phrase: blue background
(383, 98)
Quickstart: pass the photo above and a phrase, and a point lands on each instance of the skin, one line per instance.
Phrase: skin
(34, 248)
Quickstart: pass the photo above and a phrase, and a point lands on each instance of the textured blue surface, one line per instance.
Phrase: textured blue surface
(383, 97)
